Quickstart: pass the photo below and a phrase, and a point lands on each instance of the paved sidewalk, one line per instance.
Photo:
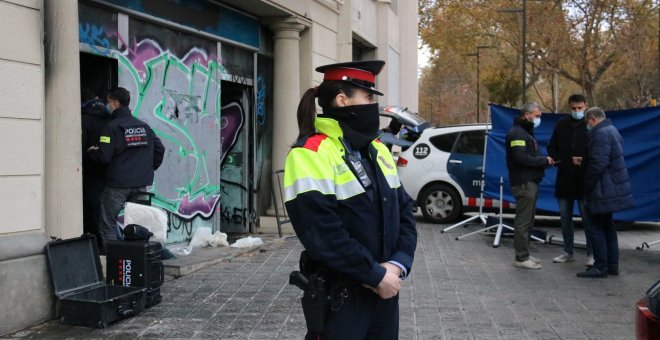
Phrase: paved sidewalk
(457, 290)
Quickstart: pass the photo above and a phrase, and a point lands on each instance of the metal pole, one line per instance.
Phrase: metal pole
(524, 50)
(478, 98)
(555, 92)
(523, 33)
(476, 54)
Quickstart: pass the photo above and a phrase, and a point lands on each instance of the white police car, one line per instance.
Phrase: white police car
(442, 170)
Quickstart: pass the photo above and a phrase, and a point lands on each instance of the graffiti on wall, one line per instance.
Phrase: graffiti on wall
(179, 98)
(96, 37)
(233, 201)
(232, 121)
(178, 93)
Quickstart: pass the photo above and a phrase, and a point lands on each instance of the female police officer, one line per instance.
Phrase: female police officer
(347, 206)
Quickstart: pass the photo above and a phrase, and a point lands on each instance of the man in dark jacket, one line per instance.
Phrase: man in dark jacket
(132, 152)
(567, 147)
(526, 168)
(607, 190)
(94, 118)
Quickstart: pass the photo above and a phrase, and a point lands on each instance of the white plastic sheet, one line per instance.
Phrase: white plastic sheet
(180, 249)
(149, 217)
(247, 242)
(201, 237)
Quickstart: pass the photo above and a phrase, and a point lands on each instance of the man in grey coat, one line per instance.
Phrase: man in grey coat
(607, 190)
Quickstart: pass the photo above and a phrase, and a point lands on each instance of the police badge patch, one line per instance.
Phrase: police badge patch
(135, 136)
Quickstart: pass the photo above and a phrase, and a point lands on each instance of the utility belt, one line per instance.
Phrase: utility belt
(324, 291)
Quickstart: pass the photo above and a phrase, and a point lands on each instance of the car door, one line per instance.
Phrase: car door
(465, 163)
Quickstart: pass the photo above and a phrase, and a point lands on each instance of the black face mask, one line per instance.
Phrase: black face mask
(526, 124)
(359, 122)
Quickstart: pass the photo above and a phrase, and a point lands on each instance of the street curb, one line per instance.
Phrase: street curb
(206, 257)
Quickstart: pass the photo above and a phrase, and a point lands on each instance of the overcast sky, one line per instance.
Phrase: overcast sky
(422, 58)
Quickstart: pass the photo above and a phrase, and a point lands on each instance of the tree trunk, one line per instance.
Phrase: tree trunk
(588, 88)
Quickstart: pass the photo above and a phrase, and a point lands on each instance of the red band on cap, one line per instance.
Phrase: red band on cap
(341, 72)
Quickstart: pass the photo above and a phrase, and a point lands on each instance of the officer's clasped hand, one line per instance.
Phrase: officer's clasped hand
(390, 285)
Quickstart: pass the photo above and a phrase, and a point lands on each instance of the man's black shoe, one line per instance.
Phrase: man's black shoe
(592, 273)
(613, 272)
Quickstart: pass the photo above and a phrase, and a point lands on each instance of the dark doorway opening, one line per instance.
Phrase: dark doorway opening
(238, 163)
(98, 74)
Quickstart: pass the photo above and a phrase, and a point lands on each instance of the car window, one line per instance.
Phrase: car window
(471, 142)
(444, 142)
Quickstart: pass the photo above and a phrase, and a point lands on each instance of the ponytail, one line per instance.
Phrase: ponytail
(307, 114)
(326, 92)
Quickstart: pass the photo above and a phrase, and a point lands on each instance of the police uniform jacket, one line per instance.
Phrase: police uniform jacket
(130, 149)
(93, 119)
(606, 181)
(523, 157)
(341, 225)
(569, 139)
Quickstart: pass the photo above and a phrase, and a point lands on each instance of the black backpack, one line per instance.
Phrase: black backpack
(134, 232)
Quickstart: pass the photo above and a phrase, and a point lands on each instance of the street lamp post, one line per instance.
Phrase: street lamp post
(478, 54)
(523, 12)
(657, 78)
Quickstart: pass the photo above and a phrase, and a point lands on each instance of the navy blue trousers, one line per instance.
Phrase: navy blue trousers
(605, 243)
(364, 315)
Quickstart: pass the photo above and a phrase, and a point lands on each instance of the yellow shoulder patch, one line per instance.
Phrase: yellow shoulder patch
(518, 142)
(104, 139)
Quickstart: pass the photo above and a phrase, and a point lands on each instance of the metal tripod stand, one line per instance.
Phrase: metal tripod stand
(480, 215)
(500, 226)
(647, 245)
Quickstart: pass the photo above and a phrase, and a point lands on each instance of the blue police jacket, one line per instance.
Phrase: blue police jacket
(343, 226)
(130, 149)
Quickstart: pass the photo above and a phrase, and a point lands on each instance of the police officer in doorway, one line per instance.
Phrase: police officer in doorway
(94, 117)
(131, 151)
(349, 209)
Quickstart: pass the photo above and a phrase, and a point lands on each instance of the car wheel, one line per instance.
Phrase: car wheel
(440, 203)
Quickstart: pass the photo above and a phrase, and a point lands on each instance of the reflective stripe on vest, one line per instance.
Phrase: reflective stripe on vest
(324, 169)
(324, 186)
(386, 165)
(393, 181)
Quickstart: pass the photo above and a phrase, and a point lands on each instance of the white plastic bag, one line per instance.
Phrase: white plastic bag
(180, 249)
(247, 242)
(149, 217)
(219, 239)
(200, 238)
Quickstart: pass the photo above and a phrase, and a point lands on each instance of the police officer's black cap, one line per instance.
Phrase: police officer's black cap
(359, 73)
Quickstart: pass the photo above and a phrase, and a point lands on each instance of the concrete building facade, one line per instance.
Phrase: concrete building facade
(218, 81)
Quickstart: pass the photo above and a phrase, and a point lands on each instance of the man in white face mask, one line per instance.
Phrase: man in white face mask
(567, 146)
(526, 167)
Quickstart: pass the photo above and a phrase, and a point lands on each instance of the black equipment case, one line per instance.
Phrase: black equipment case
(85, 300)
(136, 264)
